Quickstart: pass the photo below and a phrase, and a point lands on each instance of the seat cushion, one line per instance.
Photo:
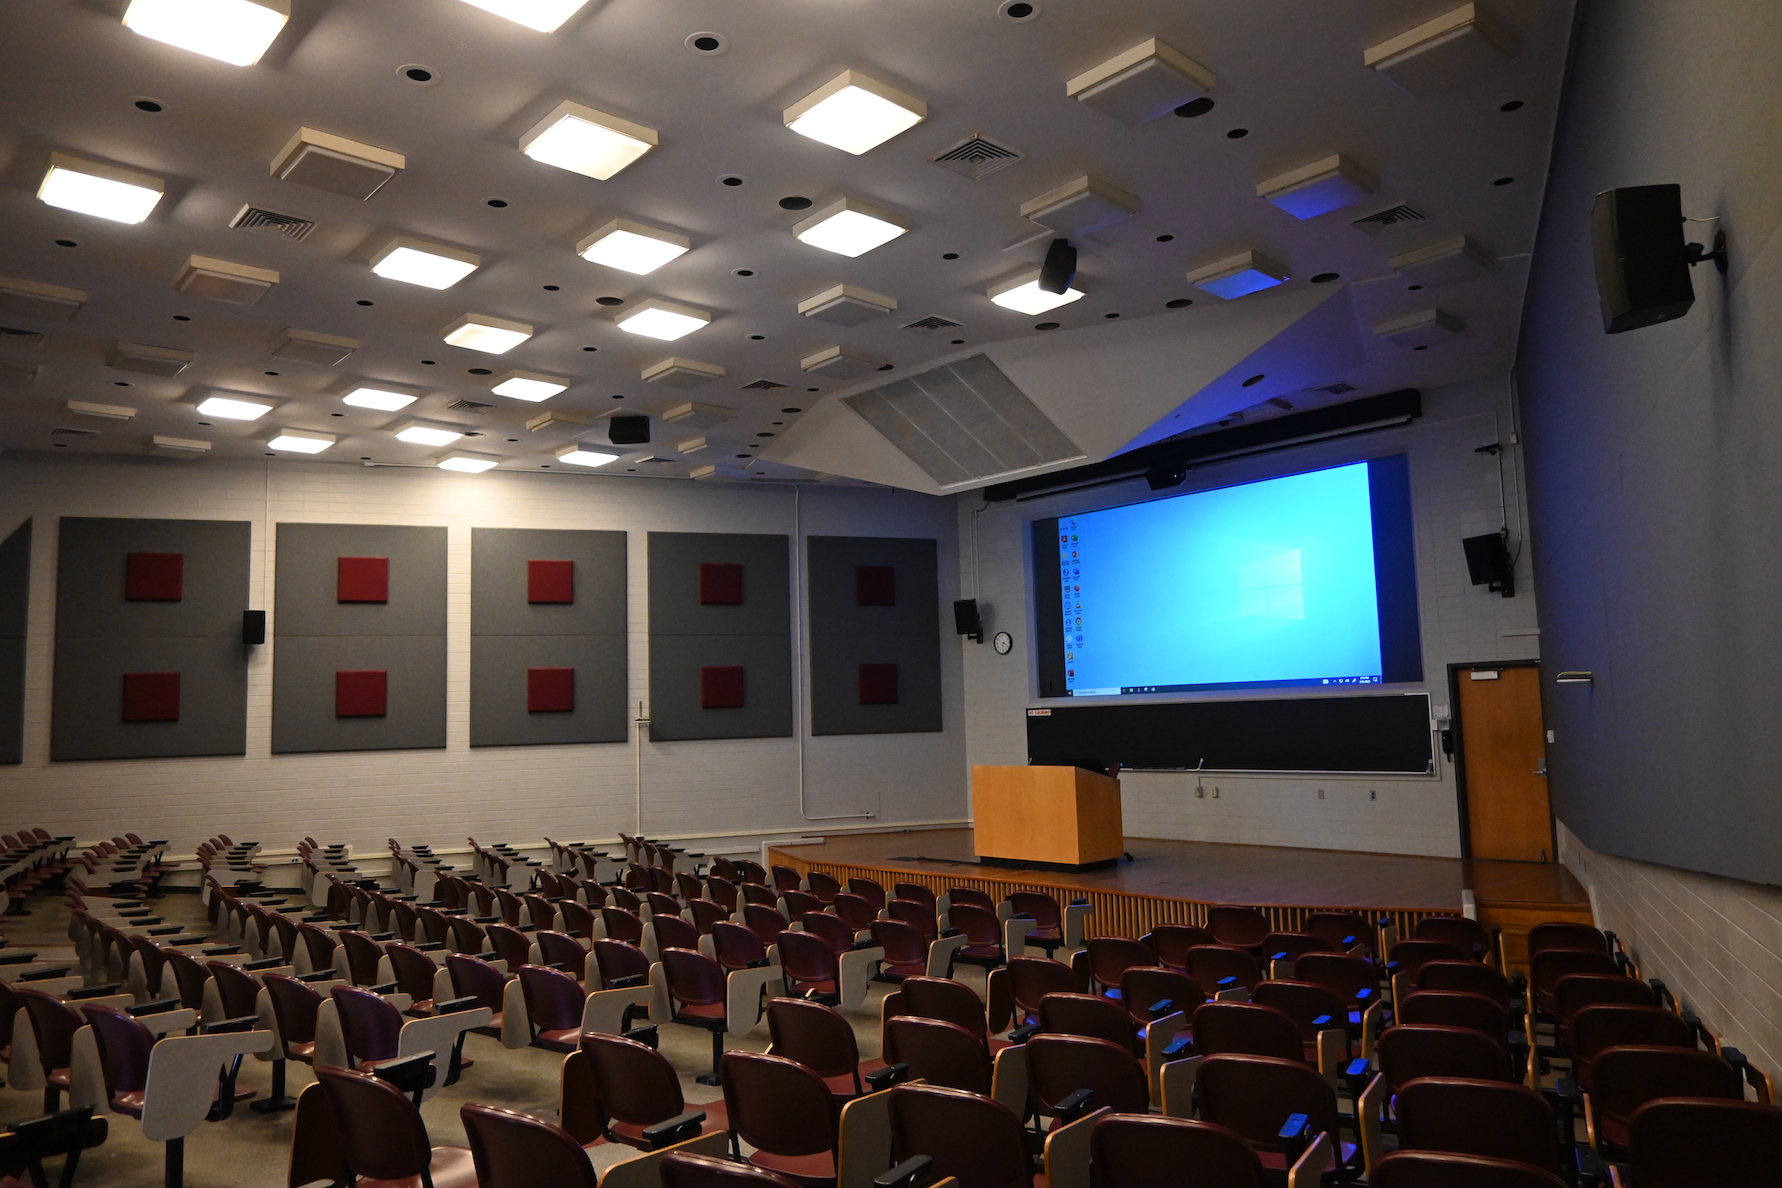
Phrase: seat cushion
(305, 1052)
(567, 1039)
(129, 1103)
(1276, 1161)
(806, 1169)
(703, 1010)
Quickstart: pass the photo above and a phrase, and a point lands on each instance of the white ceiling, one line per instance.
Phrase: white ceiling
(1289, 71)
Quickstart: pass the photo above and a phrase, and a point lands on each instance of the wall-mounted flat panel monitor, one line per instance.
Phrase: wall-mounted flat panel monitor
(1303, 580)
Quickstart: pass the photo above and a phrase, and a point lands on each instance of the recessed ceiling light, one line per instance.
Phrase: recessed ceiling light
(592, 143)
(581, 455)
(468, 463)
(544, 15)
(232, 31)
(666, 320)
(708, 45)
(300, 441)
(848, 227)
(430, 265)
(632, 247)
(383, 397)
(1024, 295)
(421, 433)
(854, 113)
(491, 335)
(105, 191)
(531, 386)
(234, 408)
(420, 76)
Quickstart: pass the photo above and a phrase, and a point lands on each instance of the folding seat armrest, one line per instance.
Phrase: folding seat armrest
(1023, 1033)
(268, 963)
(884, 1078)
(627, 983)
(221, 950)
(1590, 1166)
(1180, 1047)
(1756, 1077)
(1355, 1076)
(321, 975)
(452, 1006)
(104, 991)
(677, 1129)
(1074, 1105)
(158, 1007)
(40, 975)
(185, 941)
(429, 946)
(648, 1035)
(1295, 1136)
(411, 1074)
(383, 936)
(911, 1173)
(380, 988)
(231, 1026)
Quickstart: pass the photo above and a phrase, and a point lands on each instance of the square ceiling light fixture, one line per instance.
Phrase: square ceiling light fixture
(230, 407)
(323, 161)
(632, 247)
(430, 265)
(468, 463)
(104, 412)
(312, 346)
(855, 113)
(544, 15)
(1024, 295)
(592, 143)
(1080, 206)
(104, 191)
(841, 362)
(1459, 47)
(381, 396)
(1238, 276)
(299, 441)
(34, 299)
(490, 335)
(666, 320)
(422, 433)
(1445, 262)
(232, 31)
(849, 227)
(178, 447)
(846, 305)
(682, 373)
(1327, 184)
(224, 280)
(581, 455)
(1141, 84)
(530, 386)
(1420, 329)
(148, 360)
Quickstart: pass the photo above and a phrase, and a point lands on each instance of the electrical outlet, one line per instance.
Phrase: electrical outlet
(1215, 793)
(1320, 794)
(1372, 795)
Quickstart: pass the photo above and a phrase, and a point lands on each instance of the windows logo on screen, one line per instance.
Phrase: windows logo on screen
(1272, 587)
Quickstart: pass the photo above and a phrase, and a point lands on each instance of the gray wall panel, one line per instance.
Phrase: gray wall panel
(498, 605)
(844, 636)
(498, 714)
(303, 693)
(12, 700)
(675, 558)
(90, 577)
(15, 600)
(675, 712)
(307, 603)
(87, 702)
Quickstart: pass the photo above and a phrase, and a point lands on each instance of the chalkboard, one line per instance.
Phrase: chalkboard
(1359, 734)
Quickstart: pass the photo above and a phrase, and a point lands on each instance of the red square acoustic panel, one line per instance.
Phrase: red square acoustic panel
(550, 690)
(878, 684)
(151, 696)
(363, 579)
(154, 577)
(721, 686)
(550, 581)
(361, 693)
(875, 585)
(720, 584)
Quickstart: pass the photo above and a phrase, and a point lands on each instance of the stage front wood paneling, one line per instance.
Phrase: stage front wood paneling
(1173, 881)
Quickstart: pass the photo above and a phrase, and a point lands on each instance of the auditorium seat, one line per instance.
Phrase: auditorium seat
(1704, 1144)
(1489, 1118)
(1059, 1066)
(1144, 987)
(786, 1113)
(380, 1134)
(696, 995)
(1169, 943)
(938, 1052)
(786, 879)
(53, 1024)
(561, 951)
(810, 966)
(767, 922)
(1288, 947)
(620, 964)
(1409, 1051)
(683, 1169)
(1596, 1029)
(906, 952)
(759, 893)
(971, 895)
(1239, 927)
(661, 903)
(1626, 1078)
(1089, 1015)
(823, 885)
(1406, 958)
(917, 915)
(1032, 978)
(857, 913)
(971, 1138)
(1469, 936)
(1127, 1151)
(687, 887)
(1110, 957)
(1315, 1011)
(363, 957)
(819, 1038)
(870, 890)
(515, 1150)
(1220, 970)
(797, 903)
(414, 972)
(920, 893)
(1470, 977)
(1546, 968)
(1246, 1028)
(1346, 932)
(615, 1088)
(1253, 1095)
(472, 977)
(983, 936)
(707, 914)
(672, 932)
(1584, 938)
(1048, 919)
(943, 998)
(750, 872)
(737, 947)
(830, 929)
(1431, 1169)
(554, 1004)
(1456, 1008)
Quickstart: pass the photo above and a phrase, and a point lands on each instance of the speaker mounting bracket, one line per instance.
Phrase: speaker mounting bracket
(1697, 254)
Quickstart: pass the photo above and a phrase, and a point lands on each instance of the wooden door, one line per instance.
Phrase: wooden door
(1503, 755)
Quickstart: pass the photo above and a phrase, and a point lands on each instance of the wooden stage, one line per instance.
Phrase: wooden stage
(1177, 881)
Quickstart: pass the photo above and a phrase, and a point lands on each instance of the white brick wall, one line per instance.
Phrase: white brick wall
(690, 788)
(1455, 494)
(1716, 942)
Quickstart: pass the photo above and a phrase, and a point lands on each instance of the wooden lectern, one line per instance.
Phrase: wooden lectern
(1063, 818)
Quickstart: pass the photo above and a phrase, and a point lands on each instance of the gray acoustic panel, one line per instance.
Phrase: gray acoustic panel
(100, 635)
(15, 601)
(307, 569)
(675, 558)
(498, 605)
(499, 716)
(844, 635)
(303, 693)
(87, 705)
(90, 577)
(675, 711)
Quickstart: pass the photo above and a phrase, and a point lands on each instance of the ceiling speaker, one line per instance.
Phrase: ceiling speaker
(1060, 267)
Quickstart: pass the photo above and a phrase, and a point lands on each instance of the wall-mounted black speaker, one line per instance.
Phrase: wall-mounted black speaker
(628, 430)
(253, 627)
(1488, 563)
(966, 620)
(1642, 263)
(1060, 267)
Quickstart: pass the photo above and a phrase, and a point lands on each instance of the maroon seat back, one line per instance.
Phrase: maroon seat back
(1032, 978)
(363, 955)
(815, 1035)
(958, 895)
(1144, 986)
(974, 1139)
(870, 890)
(1128, 1149)
(515, 1150)
(236, 989)
(706, 915)
(634, 1083)
(1626, 1078)
(124, 1046)
(1290, 946)
(542, 911)
(1042, 909)
(750, 872)
(1457, 1008)
(760, 893)
(1252, 1095)
(1059, 1065)
(943, 998)
(672, 932)
(294, 1007)
(938, 1052)
(687, 887)
(920, 893)
(1469, 936)
(905, 950)
(786, 879)
(413, 970)
(189, 976)
(1088, 1015)
(823, 885)
(797, 903)
(1243, 927)
(1111, 956)
(1409, 1051)
(1436, 1169)
(1583, 938)
(681, 1170)
(1409, 956)
(625, 899)
(917, 915)
(1169, 943)
(1598, 1028)
(1303, 1002)
(1354, 980)
(767, 922)
(509, 944)
(621, 925)
(1211, 965)
(737, 947)
(1574, 992)
(554, 1000)
(617, 960)
(380, 1131)
(1247, 1028)
(1495, 1119)
(320, 942)
(472, 977)
(1471, 977)
(832, 930)
(1342, 931)
(662, 904)
(856, 912)
(1704, 1144)
(807, 959)
(722, 891)
(779, 1106)
(693, 978)
(562, 950)
(436, 926)
(369, 1025)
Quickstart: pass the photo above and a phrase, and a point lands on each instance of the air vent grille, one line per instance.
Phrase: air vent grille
(65, 431)
(469, 406)
(964, 421)
(762, 385)
(977, 157)
(1337, 389)
(932, 322)
(1392, 216)
(270, 222)
(21, 337)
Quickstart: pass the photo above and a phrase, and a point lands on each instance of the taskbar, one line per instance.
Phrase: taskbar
(1297, 683)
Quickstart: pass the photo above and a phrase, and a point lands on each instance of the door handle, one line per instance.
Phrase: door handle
(1542, 769)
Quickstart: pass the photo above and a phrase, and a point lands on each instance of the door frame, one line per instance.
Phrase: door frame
(1459, 756)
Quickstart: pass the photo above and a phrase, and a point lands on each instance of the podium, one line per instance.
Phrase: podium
(1056, 818)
